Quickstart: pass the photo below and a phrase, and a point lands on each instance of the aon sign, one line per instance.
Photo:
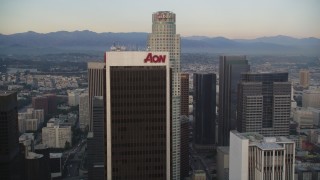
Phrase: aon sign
(155, 58)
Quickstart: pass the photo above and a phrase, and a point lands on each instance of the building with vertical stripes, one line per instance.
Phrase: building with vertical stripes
(138, 110)
(96, 84)
(255, 157)
(164, 38)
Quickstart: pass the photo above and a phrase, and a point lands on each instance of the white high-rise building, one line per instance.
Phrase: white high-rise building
(164, 38)
(73, 98)
(84, 110)
(254, 157)
(55, 135)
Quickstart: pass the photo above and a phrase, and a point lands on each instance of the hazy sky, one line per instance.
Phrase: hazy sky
(229, 18)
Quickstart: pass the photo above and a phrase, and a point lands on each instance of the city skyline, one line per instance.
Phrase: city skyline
(231, 19)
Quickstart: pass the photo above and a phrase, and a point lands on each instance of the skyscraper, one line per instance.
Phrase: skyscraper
(184, 136)
(84, 110)
(184, 94)
(255, 157)
(138, 115)
(264, 103)
(96, 144)
(304, 75)
(204, 98)
(164, 38)
(9, 139)
(230, 68)
(96, 84)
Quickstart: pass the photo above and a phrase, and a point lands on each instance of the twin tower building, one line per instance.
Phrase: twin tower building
(134, 102)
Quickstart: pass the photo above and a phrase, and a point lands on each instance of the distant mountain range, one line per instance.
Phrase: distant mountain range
(32, 43)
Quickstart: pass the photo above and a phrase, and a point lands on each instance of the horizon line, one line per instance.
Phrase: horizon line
(184, 36)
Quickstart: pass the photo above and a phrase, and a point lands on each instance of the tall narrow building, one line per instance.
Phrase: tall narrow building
(184, 129)
(230, 68)
(164, 38)
(264, 104)
(138, 116)
(96, 143)
(9, 139)
(96, 84)
(184, 94)
(204, 113)
(304, 76)
(84, 110)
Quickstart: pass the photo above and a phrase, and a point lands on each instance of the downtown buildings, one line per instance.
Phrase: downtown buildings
(164, 38)
(141, 91)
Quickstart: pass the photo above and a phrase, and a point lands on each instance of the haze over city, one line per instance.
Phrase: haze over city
(231, 19)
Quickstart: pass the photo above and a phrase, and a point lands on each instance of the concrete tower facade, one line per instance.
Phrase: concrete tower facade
(164, 38)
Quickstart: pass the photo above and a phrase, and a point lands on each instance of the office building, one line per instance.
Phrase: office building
(264, 103)
(52, 103)
(40, 102)
(204, 108)
(84, 111)
(306, 171)
(223, 162)
(31, 124)
(73, 98)
(304, 117)
(96, 148)
(254, 157)
(304, 75)
(199, 175)
(96, 84)
(184, 148)
(35, 167)
(30, 120)
(138, 115)
(44, 150)
(184, 105)
(230, 69)
(38, 114)
(9, 139)
(311, 98)
(56, 165)
(56, 135)
(184, 136)
(164, 38)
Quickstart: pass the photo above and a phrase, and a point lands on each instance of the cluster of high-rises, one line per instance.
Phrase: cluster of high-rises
(138, 123)
(138, 108)
(138, 111)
